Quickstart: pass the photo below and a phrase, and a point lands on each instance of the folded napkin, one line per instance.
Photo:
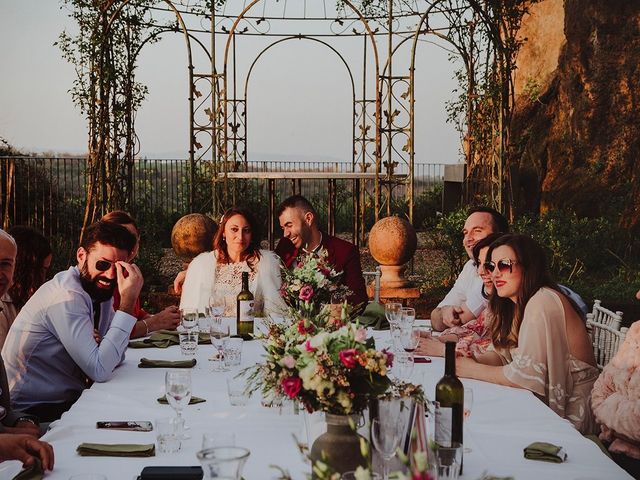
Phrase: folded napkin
(374, 317)
(34, 472)
(546, 452)
(166, 338)
(147, 363)
(163, 400)
(116, 450)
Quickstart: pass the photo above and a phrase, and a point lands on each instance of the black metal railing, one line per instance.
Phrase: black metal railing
(49, 193)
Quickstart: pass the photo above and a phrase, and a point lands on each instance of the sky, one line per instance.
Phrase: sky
(299, 93)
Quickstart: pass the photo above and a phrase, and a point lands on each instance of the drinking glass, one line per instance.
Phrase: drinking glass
(236, 389)
(177, 384)
(233, 352)
(386, 439)
(223, 462)
(393, 312)
(449, 460)
(216, 306)
(409, 339)
(169, 433)
(188, 343)
(408, 317)
(403, 366)
(468, 404)
(219, 336)
(189, 318)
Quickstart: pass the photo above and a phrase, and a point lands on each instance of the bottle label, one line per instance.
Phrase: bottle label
(245, 313)
(444, 423)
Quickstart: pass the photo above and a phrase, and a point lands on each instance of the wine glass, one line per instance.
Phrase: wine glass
(409, 339)
(216, 306)
(468, 403)
(189, 318)
(393, 312)
(403, 366)
(386, 439)
(407, 317)
(219, 334)
(177, 384)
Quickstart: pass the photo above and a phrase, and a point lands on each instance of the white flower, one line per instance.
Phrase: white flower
(362, 473)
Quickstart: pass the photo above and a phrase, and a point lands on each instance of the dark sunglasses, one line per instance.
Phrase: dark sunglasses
(103, 265)
(505, 265)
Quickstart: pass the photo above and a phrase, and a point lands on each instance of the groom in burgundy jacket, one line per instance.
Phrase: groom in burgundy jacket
(302, 235)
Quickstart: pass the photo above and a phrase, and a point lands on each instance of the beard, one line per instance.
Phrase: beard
(90, 285)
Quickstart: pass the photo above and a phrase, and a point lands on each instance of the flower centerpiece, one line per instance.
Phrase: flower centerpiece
(331, 371)
(309, 287)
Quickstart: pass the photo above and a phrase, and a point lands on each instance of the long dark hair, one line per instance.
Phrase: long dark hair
(483, 243)
(29, 274)
(508, 315)
(252, 253)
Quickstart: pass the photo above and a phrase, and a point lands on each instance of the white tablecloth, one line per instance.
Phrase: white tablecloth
(503, 421)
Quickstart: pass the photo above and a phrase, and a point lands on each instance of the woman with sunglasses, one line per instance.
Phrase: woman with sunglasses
(473, 337)
(539, 341)
(236, 249)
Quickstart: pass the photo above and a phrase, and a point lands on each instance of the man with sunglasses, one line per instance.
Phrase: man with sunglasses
(51, 351)
(464, 302)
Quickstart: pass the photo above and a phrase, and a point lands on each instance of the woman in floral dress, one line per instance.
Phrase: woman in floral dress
(539, 341)
(474, 337)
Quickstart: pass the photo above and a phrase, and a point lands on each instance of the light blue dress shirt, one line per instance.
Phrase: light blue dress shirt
(50, 348)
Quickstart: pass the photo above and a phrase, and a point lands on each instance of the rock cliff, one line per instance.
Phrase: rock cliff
(576, 125)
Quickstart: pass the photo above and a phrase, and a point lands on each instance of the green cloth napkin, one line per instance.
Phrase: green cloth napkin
(546, 452)
(34, 472)
(166, 338)
(163, 400)
(147, 363)
(374, 317)
(116, 450)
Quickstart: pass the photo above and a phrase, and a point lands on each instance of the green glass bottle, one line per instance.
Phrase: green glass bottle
(244, 310)
(450, 406)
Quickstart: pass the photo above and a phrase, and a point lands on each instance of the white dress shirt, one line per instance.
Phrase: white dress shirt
(50, 349)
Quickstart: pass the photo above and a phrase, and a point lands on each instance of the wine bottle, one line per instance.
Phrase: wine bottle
(244, 310)
(450, 401)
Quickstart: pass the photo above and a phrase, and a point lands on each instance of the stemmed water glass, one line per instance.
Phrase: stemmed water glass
(386, 439)
(219, 334)
(177, 384)
(409, 339)
(393, 312)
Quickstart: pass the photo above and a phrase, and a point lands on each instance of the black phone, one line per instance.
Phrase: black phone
(171, 473)
(131, 426)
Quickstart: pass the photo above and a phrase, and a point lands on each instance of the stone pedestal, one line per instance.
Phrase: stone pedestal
(392, 242)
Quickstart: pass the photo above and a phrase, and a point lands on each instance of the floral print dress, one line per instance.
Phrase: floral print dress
(543, 364)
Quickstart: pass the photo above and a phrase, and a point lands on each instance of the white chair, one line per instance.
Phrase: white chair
(376, 286)
(604, 327)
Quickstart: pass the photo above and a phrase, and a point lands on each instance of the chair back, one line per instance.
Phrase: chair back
(604, 327)
(376, 285)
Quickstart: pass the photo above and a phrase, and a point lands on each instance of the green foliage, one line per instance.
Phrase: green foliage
(447, 237)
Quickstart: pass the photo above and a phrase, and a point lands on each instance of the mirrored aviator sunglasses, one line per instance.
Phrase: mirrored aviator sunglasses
(505, 265)
(103, 265)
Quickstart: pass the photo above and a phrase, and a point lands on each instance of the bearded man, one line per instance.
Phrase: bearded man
(51, 353)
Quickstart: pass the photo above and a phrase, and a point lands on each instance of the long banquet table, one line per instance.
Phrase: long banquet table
(503, 421)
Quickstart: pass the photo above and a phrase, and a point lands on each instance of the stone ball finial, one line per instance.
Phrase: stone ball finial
(192, 235)
(392, 242)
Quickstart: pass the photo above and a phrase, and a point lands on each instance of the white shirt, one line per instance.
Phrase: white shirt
(467, 290)
(50, 347)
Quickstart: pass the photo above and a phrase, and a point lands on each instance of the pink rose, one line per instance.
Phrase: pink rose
(348, 357)
(308, 347)
(306, 293)
(289, 361)
(361, 335)
(421, 476)
(291, 386)
(389, 355)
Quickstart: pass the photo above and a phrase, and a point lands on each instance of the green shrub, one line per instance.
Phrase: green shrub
(447, 237)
